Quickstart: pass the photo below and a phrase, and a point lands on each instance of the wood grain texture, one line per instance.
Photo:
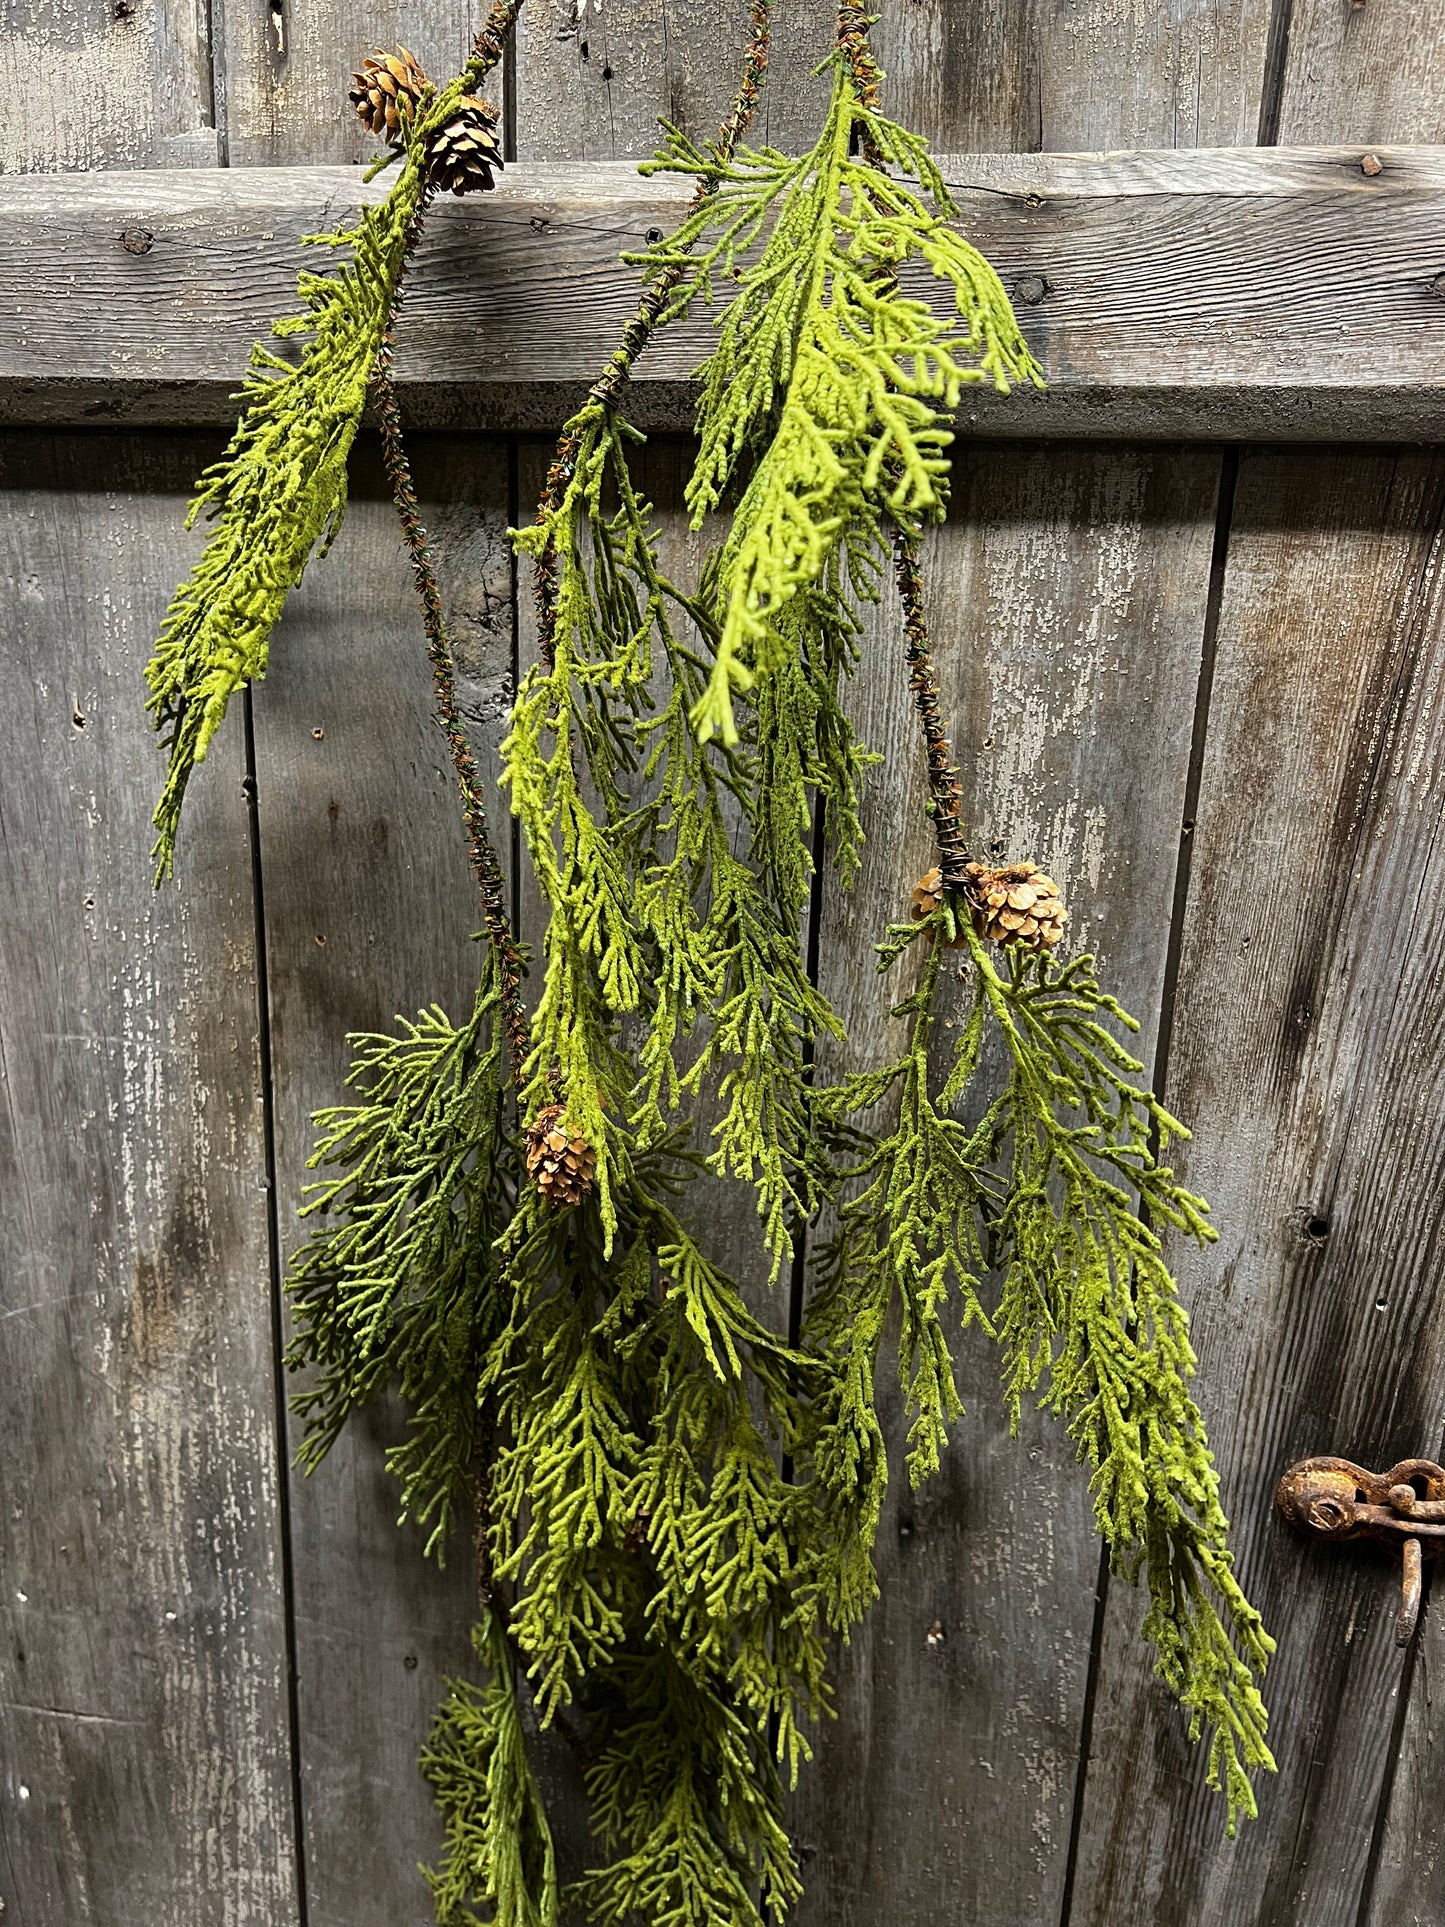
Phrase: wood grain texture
(1025, 75)
(105, 83)
(594, 80)
(1306, 1055)
(145, 1764)
(1275, 294)
(369, 912)
(1363, 73)
(1066, 595)
(287, 65)
(1408, 1888)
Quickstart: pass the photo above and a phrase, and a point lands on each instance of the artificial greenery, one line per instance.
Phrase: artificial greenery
(401, 1281)
(674, 1500)
(1038, 1192)
(278, 494)
(826, 405)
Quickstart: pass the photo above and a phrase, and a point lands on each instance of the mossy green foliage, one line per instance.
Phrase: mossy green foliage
(659, 911)
(1044, 1193)
(591, 1381)
(827, 401)
(278, 494)
(499, 1854)
(400, 1281)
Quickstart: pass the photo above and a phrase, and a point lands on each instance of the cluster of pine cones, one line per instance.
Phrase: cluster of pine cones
(1015, 904)
(560, 1161)
(390, 89)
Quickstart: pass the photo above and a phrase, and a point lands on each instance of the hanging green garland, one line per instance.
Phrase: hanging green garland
(675, 1508)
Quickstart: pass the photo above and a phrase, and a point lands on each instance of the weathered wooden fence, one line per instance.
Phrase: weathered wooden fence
(1196, 669)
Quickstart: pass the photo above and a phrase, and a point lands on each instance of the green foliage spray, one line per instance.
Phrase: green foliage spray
(674, 1507)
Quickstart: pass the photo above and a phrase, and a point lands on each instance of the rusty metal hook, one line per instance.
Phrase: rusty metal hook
(1332, 1499)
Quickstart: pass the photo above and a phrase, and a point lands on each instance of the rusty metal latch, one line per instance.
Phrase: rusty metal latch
(1404, 1507)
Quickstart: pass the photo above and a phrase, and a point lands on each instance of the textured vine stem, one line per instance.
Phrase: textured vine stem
(857, 51)
(609, 385)
(486, 52)
(480, 850)
(490, 43)
(945, 793)
(856, 48)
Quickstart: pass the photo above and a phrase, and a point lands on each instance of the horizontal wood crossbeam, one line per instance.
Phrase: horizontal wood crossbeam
(1284, 294)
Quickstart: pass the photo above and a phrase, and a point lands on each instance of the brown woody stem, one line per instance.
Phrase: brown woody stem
(945, 793)
(609, 385)
(856, 49)
(489, 44)
(480, 850)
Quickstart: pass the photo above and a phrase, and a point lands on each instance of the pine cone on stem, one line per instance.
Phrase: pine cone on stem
(462, 155)
(387, 92)
(1015, 904)
(927, 895)
(560, 1161)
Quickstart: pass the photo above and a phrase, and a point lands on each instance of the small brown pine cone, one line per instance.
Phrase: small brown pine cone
(927, 895)
(1015, 904)
(387, 91)
(462, 154)
(560, 1161)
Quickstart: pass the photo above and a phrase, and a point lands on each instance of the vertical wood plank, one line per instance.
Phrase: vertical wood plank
(1408, 1889)
(1306, 1056)
(288, 65)
(1066, 595)
(369, 910)
(593, 81)
(1363, 73)
(1026, 76)
(104, 83)
(145, 1768)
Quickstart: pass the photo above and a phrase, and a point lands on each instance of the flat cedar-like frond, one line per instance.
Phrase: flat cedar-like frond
(498, 1854)
(828, 399)
(907, 1238)
(687, 1801)
(1045, 1192)
(278, 494)
(1090, 1316)
(398, 1281)
(632, 823)
(637, 1483)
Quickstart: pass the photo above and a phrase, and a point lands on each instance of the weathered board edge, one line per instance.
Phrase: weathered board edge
(1203, 296)
(1240, 413)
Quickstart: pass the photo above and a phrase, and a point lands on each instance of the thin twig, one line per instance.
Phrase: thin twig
(945, 792)
(486, 52)
(857, 51)
(480, 849)
(609, 385)
(489, 44)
